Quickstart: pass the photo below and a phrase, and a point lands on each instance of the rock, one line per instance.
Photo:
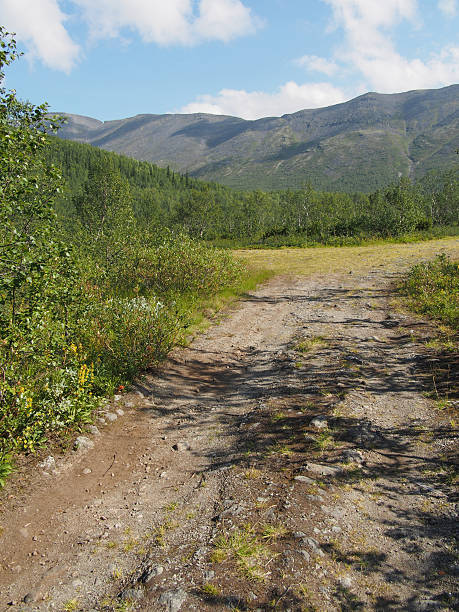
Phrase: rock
(427, 605)
(129, 404)
(319, 422)
(119, 411)
(305, 479)
(83, 443)
(209, 575)
(101, 420)
(353, 456)
(48, 464)
(318, 498)
(323, 470)
(24, 532)
(87, 471)
(173, 600)
(181, 446)
(305, 554)
(346, 582)
(314, 545)
(299, 535)
(117, 398)
(151, 573)
(132, 594)
(33, 596)
(111, 416)
(93, 430)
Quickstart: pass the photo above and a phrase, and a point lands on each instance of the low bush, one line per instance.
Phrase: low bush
(433, 289)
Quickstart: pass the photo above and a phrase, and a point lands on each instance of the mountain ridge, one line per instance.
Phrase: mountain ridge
(361, 144)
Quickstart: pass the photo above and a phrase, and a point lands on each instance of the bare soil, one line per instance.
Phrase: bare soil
(295, 457)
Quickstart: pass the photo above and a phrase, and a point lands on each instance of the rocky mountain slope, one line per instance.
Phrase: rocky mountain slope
(358, 145)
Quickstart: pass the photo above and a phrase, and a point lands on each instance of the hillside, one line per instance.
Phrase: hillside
(361, 145)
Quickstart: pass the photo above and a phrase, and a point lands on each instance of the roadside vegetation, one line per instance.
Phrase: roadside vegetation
(433, 289)
(85, 305)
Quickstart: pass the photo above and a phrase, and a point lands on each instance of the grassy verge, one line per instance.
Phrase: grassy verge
(392, 257)
(433, 289)
(201, 312)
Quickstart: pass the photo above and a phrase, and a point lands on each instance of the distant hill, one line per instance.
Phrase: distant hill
(362, 144)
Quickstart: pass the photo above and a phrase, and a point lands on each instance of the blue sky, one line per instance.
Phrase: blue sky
(110, 59)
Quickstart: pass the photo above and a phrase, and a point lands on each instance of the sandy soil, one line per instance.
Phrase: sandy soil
(294, 457)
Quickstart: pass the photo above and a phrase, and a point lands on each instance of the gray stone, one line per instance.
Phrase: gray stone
(152, 573)
(305, 554)
(314, 545)
(319, 422)
(83, 443)
(119, 412)
(117, 398)
(111, 416)
(209, 575)
(346, 582)
(48, 464)
(33, 596)
(181, 446)
(305, 479)
(87, 471)
(427, 605)
(132, 594)
(353, 456)
(94, 430)
(323, 470)
(299, 535)
(173, 600)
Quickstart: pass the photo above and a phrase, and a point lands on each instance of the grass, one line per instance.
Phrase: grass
(356, 259)
(244, 547)
(307, 345)
(202, 312)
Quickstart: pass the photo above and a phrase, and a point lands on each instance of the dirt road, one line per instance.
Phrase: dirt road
(294, 457)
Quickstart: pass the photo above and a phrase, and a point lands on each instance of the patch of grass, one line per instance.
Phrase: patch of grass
(335, 260)
(210, 590)
(244, 548)
(274, 532)
(252, 474)
(71, 605)
(307, 345)
(278, 416)
(324, 440)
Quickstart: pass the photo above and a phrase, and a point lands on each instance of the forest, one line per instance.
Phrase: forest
(226, 217)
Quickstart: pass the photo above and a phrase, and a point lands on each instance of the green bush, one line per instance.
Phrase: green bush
(433, 289)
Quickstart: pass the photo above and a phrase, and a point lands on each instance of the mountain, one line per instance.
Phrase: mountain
(362, 144)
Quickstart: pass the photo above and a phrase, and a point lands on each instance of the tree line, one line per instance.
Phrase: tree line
(212, 212)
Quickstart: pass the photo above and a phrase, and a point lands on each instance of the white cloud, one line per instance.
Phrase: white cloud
(317, 64)
(171, 22)
(40, 25)
(370, 50)
(448, 7)
(290, 97)
(224, 20)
